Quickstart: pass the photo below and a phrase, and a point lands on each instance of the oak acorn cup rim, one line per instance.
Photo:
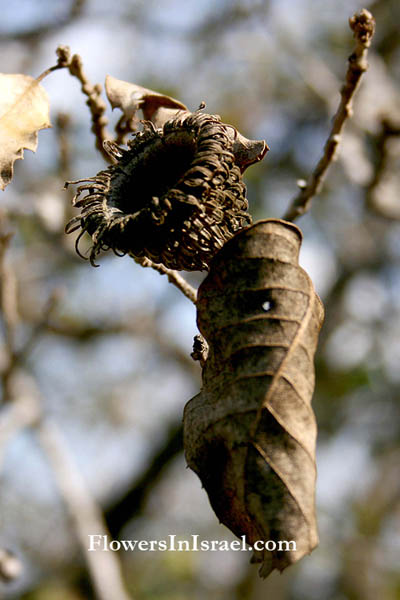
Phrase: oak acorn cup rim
(175, 196)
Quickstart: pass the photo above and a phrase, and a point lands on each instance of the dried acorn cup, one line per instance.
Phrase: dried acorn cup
(176, 194)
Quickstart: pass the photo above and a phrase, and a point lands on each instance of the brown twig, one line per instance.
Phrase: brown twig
(95, 102)
(63, 60)
(363, 26)
(173, 277)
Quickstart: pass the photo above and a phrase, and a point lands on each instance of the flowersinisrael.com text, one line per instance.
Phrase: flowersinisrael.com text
(101, 543)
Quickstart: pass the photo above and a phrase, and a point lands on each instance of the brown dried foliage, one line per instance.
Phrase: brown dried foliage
(250, 434)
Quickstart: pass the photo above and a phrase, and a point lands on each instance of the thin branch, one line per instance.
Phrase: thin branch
(95, 102)
(363, 25)
(104, 567)
(173, 277)
(63, 61)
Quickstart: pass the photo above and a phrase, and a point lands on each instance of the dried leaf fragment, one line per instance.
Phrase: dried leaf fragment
(250, 434)
(130, 98)
(24, 110)
(159, 108)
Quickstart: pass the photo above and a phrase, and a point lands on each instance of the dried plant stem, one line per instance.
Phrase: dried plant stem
(50, 70)
(173, 277)
(95, 102)
(363, 25)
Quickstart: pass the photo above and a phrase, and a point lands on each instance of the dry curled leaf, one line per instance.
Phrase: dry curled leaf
(130, 97)
(159, 108)
(250, 434)
(24, 110)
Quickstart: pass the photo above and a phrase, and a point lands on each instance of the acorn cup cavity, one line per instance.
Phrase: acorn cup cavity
(175, 196)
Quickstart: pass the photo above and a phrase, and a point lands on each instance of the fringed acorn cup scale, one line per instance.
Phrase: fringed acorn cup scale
(175, 196)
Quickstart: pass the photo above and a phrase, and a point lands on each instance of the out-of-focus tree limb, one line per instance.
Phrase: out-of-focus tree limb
(142, 326)
(8, 308)
(23, 412)
(104, 567)
(131, 503)
(372, 512)
(374, 202)
(213, 26)
(230, 15)
(363, 26)
(63, 124)
(32, 35)
(26, 411)
(17, 357)
(10, 566)
(8, 298)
